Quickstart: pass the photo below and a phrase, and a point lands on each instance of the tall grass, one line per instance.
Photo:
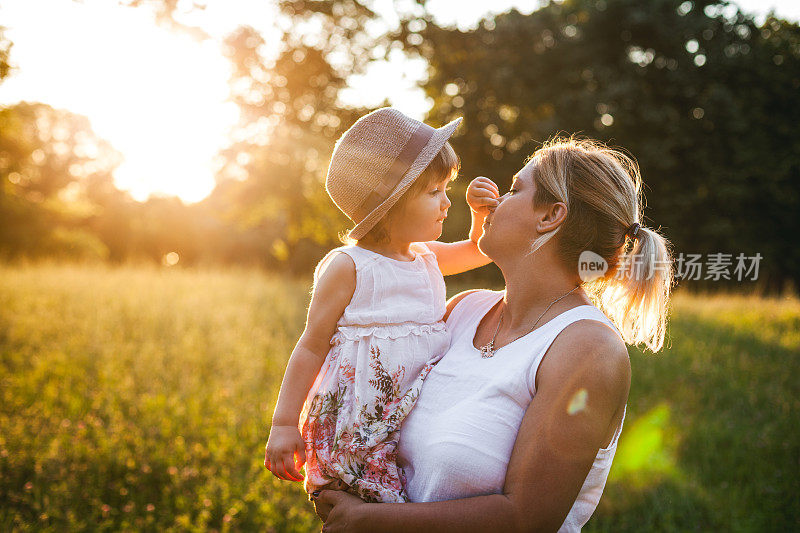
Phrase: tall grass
(139, 398)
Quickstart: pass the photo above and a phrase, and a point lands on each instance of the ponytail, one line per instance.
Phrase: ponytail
(637, 297)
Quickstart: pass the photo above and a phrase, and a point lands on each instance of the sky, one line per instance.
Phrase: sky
(160, 97)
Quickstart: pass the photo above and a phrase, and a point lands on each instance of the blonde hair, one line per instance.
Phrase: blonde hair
(602, 189)
(445, 165)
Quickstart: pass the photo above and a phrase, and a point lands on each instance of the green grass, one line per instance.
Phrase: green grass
(711, 442)
(138, 398)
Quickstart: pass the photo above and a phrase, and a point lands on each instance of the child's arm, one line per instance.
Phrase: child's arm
(456, 257)
(332, 292)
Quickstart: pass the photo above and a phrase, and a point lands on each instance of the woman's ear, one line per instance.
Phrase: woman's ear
(552, 218)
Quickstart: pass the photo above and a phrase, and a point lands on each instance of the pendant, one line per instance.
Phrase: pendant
(487, 350)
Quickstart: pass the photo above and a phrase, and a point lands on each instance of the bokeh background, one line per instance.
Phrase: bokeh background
(162, 207)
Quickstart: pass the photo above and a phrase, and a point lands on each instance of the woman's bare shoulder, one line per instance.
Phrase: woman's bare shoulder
(590, 348)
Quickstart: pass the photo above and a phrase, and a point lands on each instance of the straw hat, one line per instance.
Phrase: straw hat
(377, 160)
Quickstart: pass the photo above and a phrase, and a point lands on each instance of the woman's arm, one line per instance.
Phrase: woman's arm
(457, 257)
(581, 390)
(556, 445)
(334, 289)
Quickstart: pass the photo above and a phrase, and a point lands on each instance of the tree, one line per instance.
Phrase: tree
(270, 192)
(272, 180)
(705, 100)
(5, 53)
(48, 157)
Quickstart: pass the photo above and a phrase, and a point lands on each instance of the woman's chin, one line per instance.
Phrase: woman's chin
(482, 245)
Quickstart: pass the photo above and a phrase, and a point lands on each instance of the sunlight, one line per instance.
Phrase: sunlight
(171, 259)
(158, 97)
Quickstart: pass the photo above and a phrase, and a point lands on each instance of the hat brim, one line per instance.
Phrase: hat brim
(432, 148)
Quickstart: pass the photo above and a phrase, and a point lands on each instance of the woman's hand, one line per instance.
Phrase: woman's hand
(338, 509)
(482, 195)
(286, 453)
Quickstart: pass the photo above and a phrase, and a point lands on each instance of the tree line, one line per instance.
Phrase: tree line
(704, 97)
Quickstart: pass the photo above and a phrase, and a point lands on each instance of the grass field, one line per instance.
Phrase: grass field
(138, 398)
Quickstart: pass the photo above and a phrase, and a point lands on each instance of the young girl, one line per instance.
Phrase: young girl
(374, 326)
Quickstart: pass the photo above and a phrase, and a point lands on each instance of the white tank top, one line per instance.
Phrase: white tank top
(457, 441)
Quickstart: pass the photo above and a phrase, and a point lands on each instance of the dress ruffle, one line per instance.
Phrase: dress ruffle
(384, 331)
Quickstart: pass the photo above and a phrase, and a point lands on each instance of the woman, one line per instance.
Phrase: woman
(516, 427)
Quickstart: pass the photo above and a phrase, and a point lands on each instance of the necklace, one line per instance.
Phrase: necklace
(488, 350)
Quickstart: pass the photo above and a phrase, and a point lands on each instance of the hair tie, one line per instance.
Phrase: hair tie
(633, 230)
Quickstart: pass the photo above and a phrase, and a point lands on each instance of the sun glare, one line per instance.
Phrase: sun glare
(159, 97)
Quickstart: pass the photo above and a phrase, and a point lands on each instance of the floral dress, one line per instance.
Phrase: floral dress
(386, 342)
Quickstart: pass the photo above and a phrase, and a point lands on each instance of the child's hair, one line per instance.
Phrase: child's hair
(602, 190)
(445, 165)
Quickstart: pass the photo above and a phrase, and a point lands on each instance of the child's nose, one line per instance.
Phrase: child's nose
(447, 203)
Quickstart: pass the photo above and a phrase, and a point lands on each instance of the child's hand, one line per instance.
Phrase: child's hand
(286, 453)
(482, 195)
